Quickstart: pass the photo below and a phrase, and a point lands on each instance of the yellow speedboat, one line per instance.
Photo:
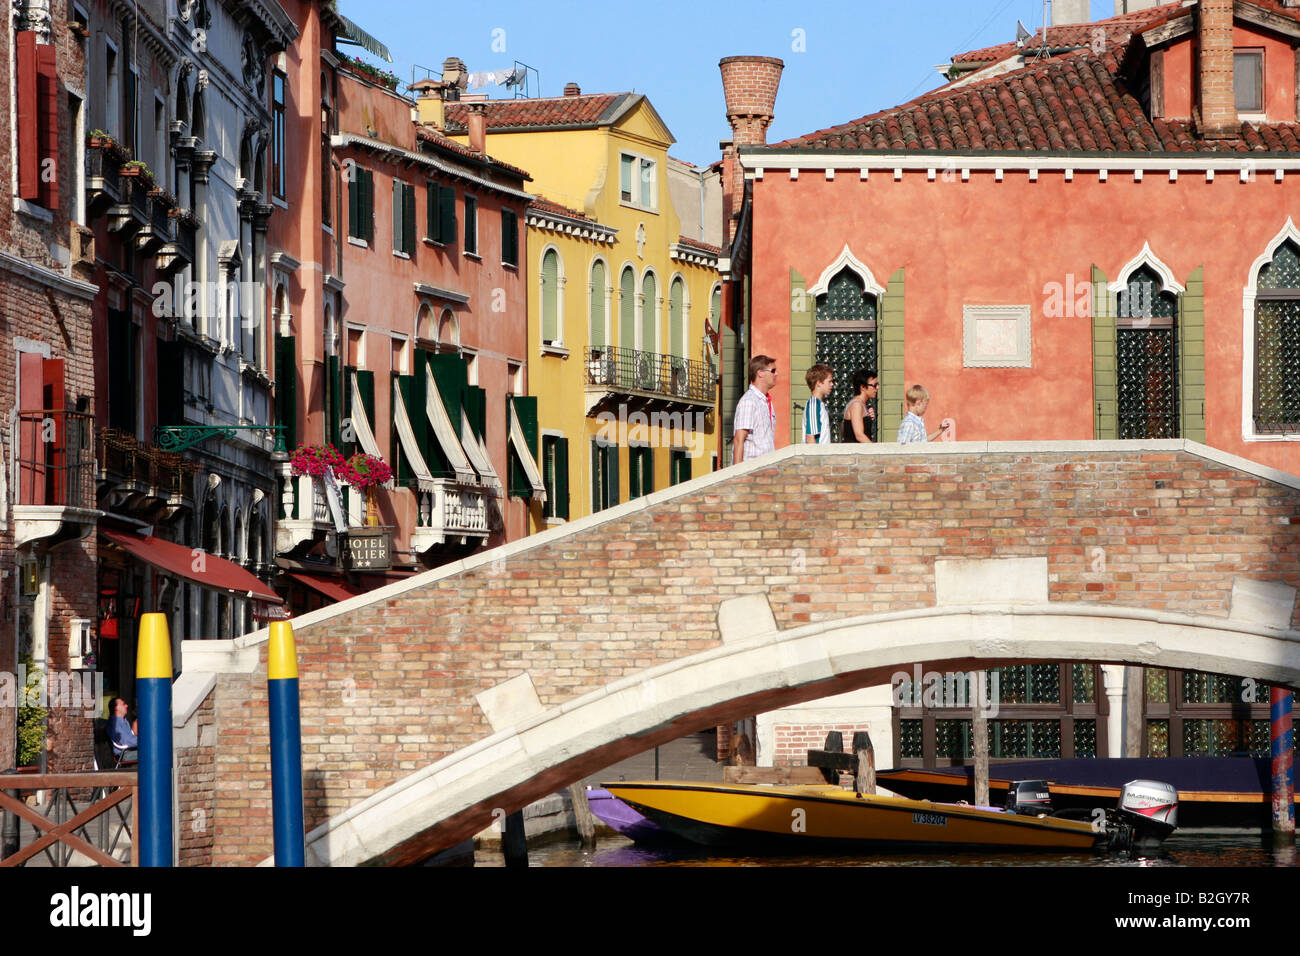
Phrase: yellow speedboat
(718, 813)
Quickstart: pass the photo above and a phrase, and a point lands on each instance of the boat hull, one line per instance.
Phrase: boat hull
(724, 815)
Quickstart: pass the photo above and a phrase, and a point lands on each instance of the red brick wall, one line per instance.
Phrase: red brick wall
(390, 688)
(793, 741)
(195, 766)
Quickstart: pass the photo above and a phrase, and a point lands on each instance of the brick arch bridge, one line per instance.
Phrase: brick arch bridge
(499, 679)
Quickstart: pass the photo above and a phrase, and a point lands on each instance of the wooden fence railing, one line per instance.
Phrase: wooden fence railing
(63, 828)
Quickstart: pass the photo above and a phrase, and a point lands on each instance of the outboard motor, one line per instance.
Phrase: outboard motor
(1030, 797)
(1149, 809)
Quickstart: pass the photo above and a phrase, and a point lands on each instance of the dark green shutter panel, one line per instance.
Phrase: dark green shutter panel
(525, 407)
(561, 506)
(1191, 342)
(596, 333)
(399, 210)
(647, 470)
(412, 388)
(471, 224)
(509, 237)
(447, 214)
(649, 314)
(803, 351)
(734, 380)
(345, 407)
(890, 327)
(368, 214)
(476, 409)
(408, 219)
(431, 210)
(627, 310)
(1105, 387)
(633, 473)
(286, 389)
(676, 335)
(596, 478)
(366, 386)
(354, 202)
(611, 485)
(550, 296)
(450, 375)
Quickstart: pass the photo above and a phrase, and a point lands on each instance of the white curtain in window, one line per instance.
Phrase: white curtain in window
(361, 424)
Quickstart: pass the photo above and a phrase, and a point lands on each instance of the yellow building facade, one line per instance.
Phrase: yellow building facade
(621, 303)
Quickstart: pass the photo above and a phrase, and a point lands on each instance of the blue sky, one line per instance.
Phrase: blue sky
(838, 66)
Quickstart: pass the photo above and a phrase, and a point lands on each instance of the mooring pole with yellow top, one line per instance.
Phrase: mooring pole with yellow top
(286, 745)
(153, 689)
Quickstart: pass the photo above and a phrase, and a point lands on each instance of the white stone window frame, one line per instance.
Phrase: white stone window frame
(1248, 296)
(972, 357)
(638, 197)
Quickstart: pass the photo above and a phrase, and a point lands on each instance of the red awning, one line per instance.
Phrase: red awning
(205, 570)
(332, 588)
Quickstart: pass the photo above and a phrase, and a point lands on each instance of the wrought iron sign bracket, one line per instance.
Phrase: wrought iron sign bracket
(180, 437)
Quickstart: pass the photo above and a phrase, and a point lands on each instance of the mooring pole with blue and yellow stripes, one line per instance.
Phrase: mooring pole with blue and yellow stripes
(1283, 765)
(153, 689)
(286, 745)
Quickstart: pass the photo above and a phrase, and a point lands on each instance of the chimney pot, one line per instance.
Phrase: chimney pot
(572, 89)
(476, 125)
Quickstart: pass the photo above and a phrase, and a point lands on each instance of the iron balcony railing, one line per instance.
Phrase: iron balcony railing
(123, 457)
(633, 370)
(55, 458)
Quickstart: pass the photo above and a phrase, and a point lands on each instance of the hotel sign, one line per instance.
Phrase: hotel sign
(370, 549)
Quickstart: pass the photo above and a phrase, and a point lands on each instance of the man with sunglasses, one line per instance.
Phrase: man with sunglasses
(755, 421)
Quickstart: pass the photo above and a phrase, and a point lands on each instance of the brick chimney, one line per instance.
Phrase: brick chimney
(476, 125)
(749, 84)
(572, 89)
(1217, 105)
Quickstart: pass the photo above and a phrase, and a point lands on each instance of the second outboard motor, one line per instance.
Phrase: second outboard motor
(1030, 797)
(1149, 809)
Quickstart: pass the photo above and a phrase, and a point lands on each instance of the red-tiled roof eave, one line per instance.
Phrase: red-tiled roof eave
(460, 151)
(395, 154)
(699, 244)
(585, 111)
(547, 206)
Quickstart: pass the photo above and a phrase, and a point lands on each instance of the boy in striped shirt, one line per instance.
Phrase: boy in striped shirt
(816, 419)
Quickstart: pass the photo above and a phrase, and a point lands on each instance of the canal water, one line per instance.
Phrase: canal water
(1181, 850)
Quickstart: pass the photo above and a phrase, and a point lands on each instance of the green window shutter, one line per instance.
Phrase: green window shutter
(447, 214)
(408, 219)
(596, 331)
(366, 386)
(803, 351)
(471, 224)
(354, 202)
(890, 328)
(625, 170)
(1191, 348)
(476, 409)
(430, 210)
(649, 313)
(347, 446)
(368, 213)
(676, 333)
(680, 467)
(451, 376)
(412, 389)
(399, 209)
(550, 296)
(611, 476)
(509, 237)
(597, 478)
(633, 472)
(1105, 389)
(286, 389)
(561, 507)
(525, 407)
(627, 309)
(734, 380)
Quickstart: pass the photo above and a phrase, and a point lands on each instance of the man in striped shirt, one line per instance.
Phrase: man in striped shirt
(755, 421)
(816, 419)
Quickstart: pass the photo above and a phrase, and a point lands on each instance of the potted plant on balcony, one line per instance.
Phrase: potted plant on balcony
(315, 460)
(365, 473)
(373, 73)
(161, 195)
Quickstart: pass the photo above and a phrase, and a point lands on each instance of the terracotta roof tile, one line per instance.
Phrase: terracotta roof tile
(556, 112)
(1075, 101)
(545, 205)
(700, 244)
(1116, 29)
(427, 135)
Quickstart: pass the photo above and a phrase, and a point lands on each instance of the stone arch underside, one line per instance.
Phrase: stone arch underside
(546, 750)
